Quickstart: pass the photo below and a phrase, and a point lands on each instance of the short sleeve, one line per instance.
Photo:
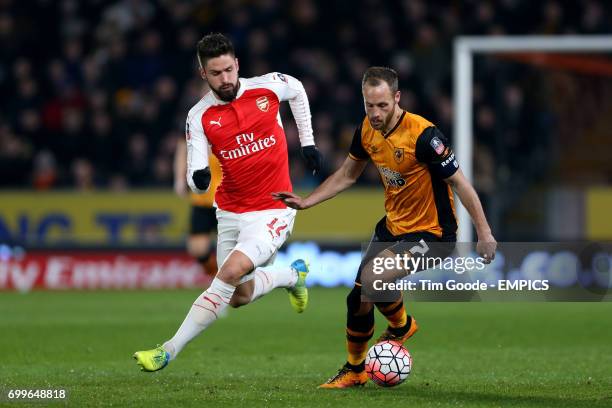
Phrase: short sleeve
(357, 151)
(434, 150)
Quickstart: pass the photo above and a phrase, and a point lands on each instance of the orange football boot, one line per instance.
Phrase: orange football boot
(388, 336)
(346, 378)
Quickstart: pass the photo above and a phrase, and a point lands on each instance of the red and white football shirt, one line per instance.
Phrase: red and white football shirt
(247, 137)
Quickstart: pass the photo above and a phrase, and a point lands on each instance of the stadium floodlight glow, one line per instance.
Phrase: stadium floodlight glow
(464, 49)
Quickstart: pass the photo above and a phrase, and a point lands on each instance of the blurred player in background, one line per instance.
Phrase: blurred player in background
(203, 221)
(418, 169)
(239, 120)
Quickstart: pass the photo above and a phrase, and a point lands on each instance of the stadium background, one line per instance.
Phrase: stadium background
(94, 96)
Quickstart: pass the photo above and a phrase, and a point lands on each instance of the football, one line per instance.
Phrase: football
(388, 363)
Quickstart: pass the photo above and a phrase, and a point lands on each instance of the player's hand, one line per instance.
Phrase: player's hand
(290, 200)
(180, 186)
(486, 247)
(313, 158)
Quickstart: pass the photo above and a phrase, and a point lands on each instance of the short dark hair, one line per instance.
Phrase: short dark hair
(214, 45)
(374, 75)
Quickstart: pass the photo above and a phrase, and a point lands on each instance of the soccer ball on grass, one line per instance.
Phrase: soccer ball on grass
(388, 363)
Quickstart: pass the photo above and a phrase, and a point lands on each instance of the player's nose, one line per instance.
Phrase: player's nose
(225, 78)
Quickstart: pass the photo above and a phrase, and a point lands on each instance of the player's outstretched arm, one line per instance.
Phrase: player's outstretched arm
(342, 179)
(486, 242)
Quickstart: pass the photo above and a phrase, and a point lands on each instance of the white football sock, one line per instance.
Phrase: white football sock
(266, 279)
(205, 310)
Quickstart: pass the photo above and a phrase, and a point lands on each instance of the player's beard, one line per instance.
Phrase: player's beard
(385, 122)
(227, 92)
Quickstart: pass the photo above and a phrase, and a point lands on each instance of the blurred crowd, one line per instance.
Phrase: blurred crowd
(95, 93)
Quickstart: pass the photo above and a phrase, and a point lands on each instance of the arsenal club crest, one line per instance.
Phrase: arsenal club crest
(262, 103)
(398, 154)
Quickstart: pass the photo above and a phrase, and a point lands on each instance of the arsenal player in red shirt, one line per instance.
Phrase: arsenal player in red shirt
(239, 121)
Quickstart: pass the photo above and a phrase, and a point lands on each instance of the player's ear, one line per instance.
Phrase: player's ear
(201, 68)
(237, 66)
(398, 95)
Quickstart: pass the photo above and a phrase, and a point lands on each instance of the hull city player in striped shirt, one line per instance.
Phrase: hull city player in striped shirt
(418, 169)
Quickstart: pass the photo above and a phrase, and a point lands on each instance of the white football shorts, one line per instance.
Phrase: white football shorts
(257, 234)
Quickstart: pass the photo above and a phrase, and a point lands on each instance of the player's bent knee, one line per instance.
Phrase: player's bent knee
(232, 273)
(199, 246)
(234, 268)
(199, 253)
(364, 308)
(354, 303)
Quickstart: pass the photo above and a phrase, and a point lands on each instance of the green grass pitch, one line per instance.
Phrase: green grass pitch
(466, 354)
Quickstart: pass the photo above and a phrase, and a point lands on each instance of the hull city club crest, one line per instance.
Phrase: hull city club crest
(262, 103)
(398, 154)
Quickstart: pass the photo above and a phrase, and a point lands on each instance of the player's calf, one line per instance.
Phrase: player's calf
(243, 295)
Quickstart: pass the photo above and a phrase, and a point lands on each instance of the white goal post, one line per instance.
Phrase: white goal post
(464, 50)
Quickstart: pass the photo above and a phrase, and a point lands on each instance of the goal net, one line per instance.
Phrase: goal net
(533, 125)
